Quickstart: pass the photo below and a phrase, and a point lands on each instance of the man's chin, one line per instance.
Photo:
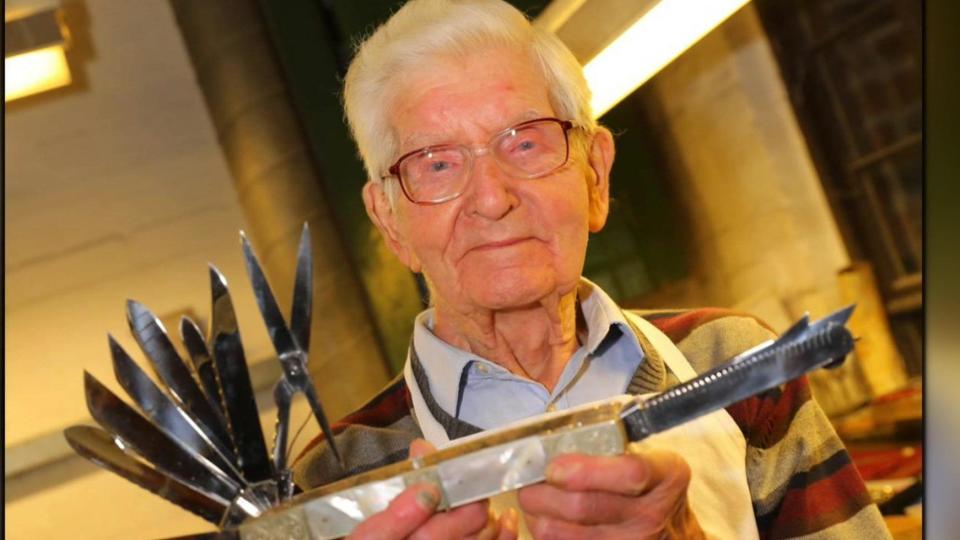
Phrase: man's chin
(511, 291)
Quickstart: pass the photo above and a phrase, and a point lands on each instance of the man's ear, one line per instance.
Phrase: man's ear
(383, 215)
(600, 159)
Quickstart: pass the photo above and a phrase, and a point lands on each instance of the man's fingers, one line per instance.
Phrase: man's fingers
(508, 526)
(504, 528)
(557, 529)
(420, 447)
(628, 474)
(402, 517)
(585, 507)
(458, 523)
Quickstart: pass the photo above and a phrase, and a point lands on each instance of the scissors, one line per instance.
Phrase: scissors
(291, 344)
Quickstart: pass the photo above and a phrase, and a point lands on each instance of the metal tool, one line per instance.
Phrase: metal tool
(166, 453)
(196, 440)
(203, 366)
(243, 418)
(291, 344)
(167, 415)
(495, 462)
(100, 447)
(173, 371)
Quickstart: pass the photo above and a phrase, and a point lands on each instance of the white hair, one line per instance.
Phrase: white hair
(423, 30)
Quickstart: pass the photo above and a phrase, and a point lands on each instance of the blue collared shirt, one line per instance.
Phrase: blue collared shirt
(492, 396)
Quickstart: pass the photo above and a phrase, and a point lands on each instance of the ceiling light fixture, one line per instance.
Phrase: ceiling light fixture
(663, 33)
(34, 54)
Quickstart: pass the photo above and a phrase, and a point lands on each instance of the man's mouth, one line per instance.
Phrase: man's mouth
(499, 244)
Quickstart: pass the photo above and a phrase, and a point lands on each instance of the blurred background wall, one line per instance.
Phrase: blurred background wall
(772, 168)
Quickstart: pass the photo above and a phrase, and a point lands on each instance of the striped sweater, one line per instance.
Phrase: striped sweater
(802, 482)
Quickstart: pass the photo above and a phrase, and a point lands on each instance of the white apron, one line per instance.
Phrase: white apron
(712, 445)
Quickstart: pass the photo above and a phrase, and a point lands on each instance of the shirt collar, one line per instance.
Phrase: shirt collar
(601, 314)
(444, 363)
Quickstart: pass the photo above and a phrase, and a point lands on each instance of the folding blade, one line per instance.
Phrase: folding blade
(797, 330)
(155, 446)
(202, 362)
(99, 447)
(280, 335)
(300, 310)
(158, 348)
(166, 415)
(241, 407)
(802, 349)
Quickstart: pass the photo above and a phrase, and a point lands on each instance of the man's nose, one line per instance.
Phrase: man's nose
(490, 189)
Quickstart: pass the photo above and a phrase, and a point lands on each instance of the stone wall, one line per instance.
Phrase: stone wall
(762, 236)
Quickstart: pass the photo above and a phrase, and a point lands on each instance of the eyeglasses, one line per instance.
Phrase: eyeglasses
(440, 173)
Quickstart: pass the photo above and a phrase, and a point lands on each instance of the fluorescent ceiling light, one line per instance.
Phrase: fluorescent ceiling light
(663, 33)
(33, 51)
(34, 72)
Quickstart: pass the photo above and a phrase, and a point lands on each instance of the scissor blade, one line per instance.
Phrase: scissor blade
(202, 362)
(283, 340)
(231, 365)
(114, 415)
(158, 348)
(300, 310)
(166, 415)
(99, 447)
(321, 417)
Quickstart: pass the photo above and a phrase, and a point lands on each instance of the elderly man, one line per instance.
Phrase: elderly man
(487, 174)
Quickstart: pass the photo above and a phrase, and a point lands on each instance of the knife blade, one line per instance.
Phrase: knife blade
(99, 447)
(156, 345)
(800, 349)
(196, 346)
(168, 416)
(228, 358)
(501, 460)
(114, 415)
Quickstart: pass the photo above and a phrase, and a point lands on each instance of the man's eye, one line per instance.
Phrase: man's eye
(526, 145)
(438, 166)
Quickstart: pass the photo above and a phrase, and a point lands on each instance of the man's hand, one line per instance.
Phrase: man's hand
(637, 495)
(411, 515)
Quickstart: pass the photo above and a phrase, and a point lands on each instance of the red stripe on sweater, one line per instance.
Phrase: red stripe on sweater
(826, 502)
(765, 419)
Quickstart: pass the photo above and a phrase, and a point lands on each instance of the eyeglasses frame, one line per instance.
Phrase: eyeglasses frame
(394, 170)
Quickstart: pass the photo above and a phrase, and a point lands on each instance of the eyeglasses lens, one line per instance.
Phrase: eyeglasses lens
(440, 173)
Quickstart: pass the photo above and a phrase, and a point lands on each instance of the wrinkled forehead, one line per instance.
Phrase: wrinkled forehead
(466, 98)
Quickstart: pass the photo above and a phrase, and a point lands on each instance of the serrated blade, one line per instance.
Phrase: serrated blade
(114, 415)
(228, 358)
(99, 447)
(156, 345)
(196, 347)
(803, 348)
(166, 415)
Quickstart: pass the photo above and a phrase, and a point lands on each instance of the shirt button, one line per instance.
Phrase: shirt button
(482, 369)
(551, 407)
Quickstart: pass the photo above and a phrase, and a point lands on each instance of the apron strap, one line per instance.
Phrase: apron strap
(453, 426)
(656, 345)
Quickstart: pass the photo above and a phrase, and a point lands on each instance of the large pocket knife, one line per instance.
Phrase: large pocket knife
(203, 454)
